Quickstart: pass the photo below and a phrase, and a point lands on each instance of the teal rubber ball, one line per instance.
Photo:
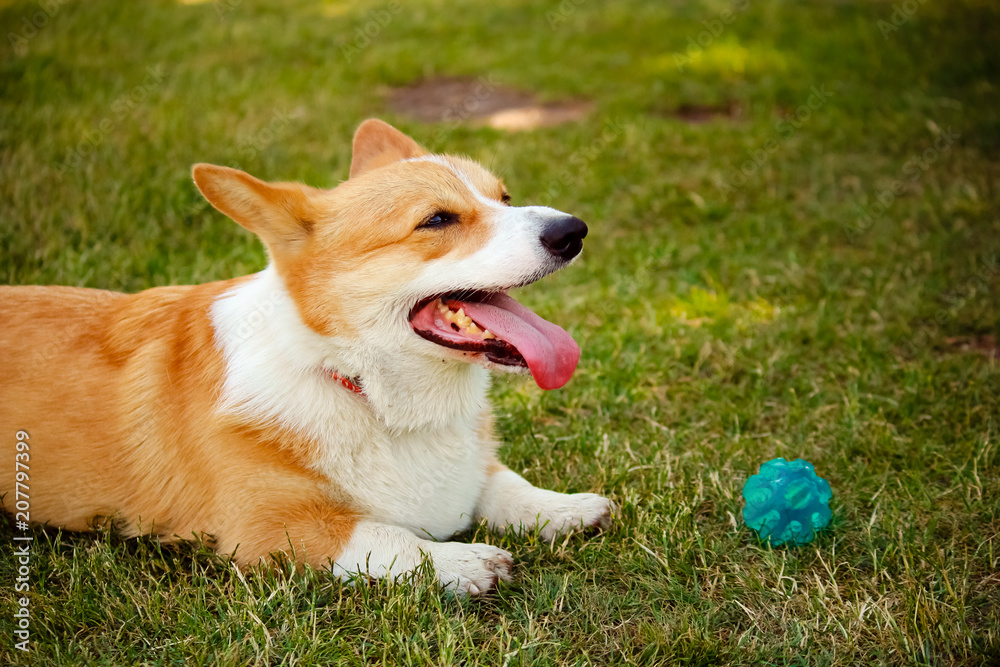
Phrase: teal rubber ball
(787, 502)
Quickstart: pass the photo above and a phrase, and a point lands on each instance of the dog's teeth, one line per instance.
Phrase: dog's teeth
(462, 320)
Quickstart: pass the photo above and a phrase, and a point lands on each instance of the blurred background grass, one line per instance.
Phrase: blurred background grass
(780, 280)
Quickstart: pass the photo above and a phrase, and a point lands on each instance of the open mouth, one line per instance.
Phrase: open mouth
(505, 332)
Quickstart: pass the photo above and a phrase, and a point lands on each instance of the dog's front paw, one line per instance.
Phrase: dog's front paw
(576, 511)
(470, 569)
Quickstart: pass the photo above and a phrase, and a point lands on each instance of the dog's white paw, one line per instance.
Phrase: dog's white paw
(575, 511)
(469, 569)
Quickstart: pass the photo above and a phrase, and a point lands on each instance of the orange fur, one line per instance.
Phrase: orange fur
(123, 426)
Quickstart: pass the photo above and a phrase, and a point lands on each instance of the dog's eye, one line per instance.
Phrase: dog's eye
(439, 219)
(505, 198)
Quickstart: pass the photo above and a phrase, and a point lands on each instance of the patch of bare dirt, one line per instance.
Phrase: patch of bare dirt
(703, 113)
(985, 345)
(481, 101)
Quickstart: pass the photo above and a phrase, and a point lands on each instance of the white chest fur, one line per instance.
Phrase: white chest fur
(426, 478)
(426, 481)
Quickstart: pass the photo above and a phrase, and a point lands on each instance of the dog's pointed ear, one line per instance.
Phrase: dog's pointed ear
(377, 144)
(279, 213)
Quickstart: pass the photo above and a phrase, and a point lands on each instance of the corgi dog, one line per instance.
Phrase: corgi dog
(333, 407)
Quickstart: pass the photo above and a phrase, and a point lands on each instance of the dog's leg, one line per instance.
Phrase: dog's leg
(510, 500)
(381, 550)
(320, 533)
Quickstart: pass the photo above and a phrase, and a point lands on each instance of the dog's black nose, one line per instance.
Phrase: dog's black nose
(563, 237)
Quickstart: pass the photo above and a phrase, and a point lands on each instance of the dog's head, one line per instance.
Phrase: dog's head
(413, 255)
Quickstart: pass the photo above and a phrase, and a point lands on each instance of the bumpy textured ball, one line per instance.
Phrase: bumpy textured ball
(787, 502)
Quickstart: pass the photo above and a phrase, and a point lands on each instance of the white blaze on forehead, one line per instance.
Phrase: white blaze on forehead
(460, 175)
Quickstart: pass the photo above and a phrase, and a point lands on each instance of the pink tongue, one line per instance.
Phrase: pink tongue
(551, 353)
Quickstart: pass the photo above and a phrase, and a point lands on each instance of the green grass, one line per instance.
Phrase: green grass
(721, 327)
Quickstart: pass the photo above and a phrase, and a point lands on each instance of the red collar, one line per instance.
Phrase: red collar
(348, 383)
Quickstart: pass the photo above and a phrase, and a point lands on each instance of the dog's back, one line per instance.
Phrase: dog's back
(48, 335)
(77, 379)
